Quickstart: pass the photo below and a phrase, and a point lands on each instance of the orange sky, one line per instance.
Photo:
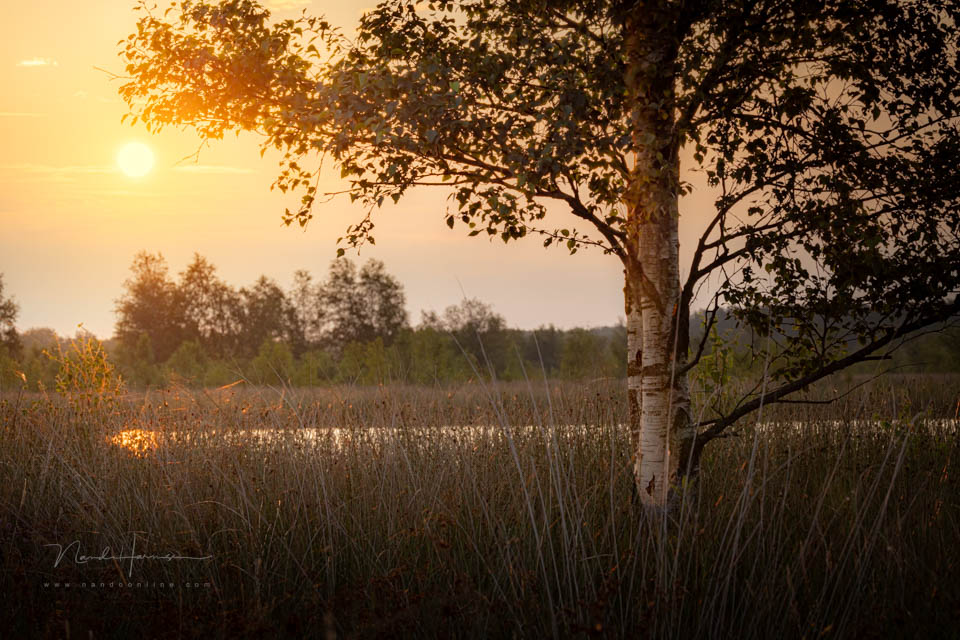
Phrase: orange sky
(72, 221)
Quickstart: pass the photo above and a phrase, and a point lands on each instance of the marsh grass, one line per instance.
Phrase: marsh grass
(823, 521)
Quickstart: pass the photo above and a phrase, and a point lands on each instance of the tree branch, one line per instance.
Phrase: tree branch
(718, 425)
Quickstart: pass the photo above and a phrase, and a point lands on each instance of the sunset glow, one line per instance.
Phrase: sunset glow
(64, 179)
(135, 159)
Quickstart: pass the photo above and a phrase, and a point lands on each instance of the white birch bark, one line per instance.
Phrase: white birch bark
(661, 414)
(634, 365)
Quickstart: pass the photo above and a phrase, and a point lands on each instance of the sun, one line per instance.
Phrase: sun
(135, 159)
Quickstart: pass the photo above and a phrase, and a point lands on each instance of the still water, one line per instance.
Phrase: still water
(143, 442)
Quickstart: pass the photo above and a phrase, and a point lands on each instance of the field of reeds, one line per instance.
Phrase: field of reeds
(477, 511)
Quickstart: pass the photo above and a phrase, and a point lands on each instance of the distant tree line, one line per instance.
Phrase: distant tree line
(352, 327)
(733, 351)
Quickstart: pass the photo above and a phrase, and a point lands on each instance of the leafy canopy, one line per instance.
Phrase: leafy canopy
(828, 129)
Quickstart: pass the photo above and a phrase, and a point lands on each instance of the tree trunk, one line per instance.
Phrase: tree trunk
(659, 398)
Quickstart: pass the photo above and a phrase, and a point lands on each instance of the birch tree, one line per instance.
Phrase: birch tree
(828, 129)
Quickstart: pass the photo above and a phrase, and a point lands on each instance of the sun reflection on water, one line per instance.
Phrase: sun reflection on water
(143, 442)
(139, 442)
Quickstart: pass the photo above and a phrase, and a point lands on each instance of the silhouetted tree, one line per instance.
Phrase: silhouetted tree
(830, 130)
(151, 304)
(360, 306)
(267, 316)
(384, 303)
(478, 331)
(212, 310)
(306, 299)
(9, 339)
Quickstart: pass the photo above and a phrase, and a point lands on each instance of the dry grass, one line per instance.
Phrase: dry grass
(843, 521)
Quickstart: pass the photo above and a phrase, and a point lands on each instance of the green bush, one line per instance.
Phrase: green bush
(273, 364)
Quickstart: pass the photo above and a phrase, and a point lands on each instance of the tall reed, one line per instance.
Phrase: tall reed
(477, 511)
